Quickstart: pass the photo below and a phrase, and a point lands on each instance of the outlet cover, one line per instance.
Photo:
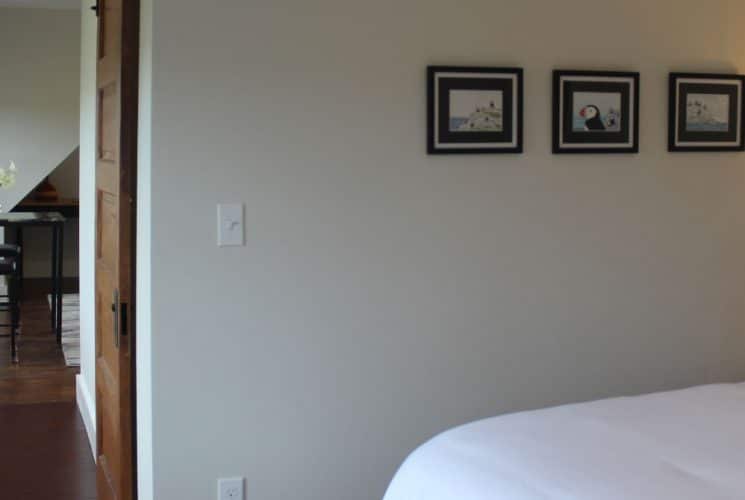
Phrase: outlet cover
(230, 488)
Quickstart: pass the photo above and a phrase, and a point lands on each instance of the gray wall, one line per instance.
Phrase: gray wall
(384, 295)
(39, 88)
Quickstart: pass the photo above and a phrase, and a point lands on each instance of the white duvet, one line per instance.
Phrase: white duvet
(681, 445)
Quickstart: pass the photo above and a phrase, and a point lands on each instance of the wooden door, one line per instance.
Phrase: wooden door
(116, 154)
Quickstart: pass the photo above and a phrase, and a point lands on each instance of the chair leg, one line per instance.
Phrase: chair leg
(19, 260)
(15, 314)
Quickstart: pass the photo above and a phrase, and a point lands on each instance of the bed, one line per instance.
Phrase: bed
(680, 445)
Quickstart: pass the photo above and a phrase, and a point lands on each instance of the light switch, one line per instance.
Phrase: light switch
(230, 225)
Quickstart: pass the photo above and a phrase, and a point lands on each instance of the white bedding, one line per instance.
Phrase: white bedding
(681, 445)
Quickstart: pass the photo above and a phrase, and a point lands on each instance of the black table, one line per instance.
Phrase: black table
(69, 207)
(56, 222)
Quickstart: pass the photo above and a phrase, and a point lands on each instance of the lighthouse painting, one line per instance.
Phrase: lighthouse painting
(476, 111)
(707, 112)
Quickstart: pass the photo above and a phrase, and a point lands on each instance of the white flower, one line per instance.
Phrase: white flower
(8, 177)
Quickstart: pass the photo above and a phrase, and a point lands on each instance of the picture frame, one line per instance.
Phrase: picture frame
(474, 110)
(706, 112)
(595, 112)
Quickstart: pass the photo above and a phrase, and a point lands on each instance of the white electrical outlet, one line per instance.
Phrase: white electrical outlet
(230, 488)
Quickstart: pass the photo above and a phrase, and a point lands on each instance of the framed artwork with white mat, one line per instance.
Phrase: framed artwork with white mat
(474, 110)
(706, 112)
(595, 112)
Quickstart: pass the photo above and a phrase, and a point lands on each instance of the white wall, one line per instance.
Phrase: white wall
(87, 378)
(39, 79)
(385, 295)
(38, 93)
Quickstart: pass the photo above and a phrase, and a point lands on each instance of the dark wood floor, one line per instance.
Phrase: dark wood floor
(41, 375)
(45, 453)
(44, 450)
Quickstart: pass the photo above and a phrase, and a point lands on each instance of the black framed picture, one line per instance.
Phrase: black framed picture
(706, 112)
(474, 110)
(595, 112)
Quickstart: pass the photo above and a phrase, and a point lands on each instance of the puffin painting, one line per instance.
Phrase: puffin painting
(591, 114)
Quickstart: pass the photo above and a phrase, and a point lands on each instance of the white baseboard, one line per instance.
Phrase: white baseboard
(87, 411)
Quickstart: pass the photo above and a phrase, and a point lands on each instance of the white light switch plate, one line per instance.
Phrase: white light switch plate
(230, 225)
(230, 488)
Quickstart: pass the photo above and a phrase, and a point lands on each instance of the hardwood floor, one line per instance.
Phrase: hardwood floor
(44, 450)
(41, 375)
(45, 453)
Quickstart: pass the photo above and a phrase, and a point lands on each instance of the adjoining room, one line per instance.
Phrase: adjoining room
(39, 254)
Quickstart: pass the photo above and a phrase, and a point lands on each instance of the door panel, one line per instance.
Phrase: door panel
(116, 151)
(107, 137)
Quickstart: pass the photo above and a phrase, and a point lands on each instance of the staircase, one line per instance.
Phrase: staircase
(31, 175)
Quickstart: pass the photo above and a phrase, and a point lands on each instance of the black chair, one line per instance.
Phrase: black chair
(10, 256)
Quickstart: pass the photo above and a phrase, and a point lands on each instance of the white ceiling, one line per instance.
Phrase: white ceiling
(43, 4)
